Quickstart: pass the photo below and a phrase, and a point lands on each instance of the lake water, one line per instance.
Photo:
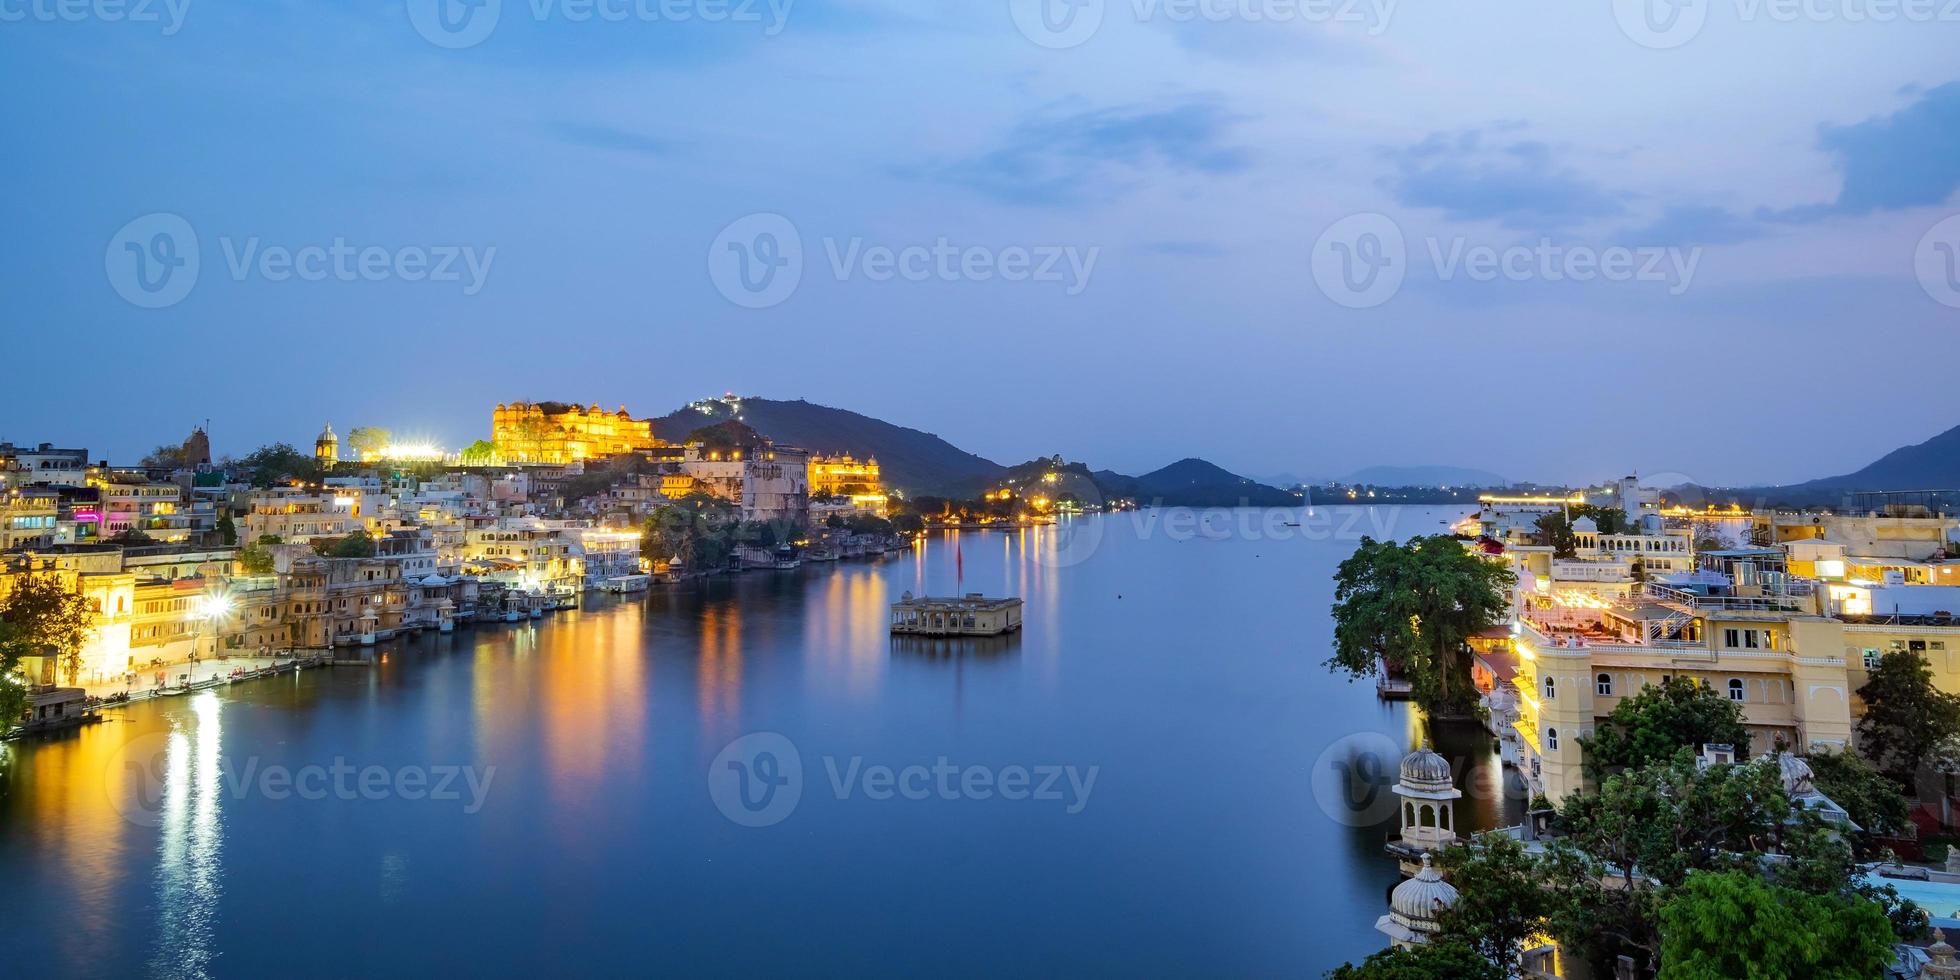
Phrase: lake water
(1145, 781)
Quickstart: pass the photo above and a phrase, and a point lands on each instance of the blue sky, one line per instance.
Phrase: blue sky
(590, 165)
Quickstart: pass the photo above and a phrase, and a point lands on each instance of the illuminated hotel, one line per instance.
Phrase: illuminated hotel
(555, 432)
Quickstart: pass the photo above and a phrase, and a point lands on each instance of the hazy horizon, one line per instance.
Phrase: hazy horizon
(1127, 232)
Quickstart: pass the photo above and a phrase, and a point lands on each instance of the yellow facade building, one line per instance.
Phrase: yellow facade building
(555, 432)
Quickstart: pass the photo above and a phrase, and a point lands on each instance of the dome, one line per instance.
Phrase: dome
(1585, 525)
(1796, 774)
(1415, 904)
(1425, 770)
(326, 435)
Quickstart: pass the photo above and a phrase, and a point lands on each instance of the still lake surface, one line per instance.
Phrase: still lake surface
(1179, 655)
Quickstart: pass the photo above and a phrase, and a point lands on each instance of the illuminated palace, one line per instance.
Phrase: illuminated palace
(555, 432)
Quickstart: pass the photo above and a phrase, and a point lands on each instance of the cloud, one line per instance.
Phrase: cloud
(1694, 224)
(1518, 183)
(1087, 156)
(1908, 159)
(603, 137)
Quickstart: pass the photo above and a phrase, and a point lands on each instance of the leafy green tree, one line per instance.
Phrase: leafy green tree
(908, 523)
(482, 452)
(255, 559)
(1661, 720)
(280, 461)
(14, 693)
(47, 616)
(1909, 724)
(166, 458)
(1872, 799)
(1413, 606)
(357, 545)
(1557, 526)
(368, 439)
(1722, 925)
(1435, 961)
(697, 527)
(1501, 897)
(227, 531)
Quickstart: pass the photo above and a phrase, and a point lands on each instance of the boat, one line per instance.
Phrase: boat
(622, 584)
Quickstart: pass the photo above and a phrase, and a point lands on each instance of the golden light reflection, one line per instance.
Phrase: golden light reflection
(719, 668)
(189, 871)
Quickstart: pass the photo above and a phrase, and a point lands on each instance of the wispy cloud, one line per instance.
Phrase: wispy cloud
(604, 137)
(1516, 182)
(1910, 158)
(1071, 159)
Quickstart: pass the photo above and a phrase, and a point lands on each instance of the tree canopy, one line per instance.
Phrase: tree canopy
(1723, 925)
(1659, 721)
(1557, 526)
(1413, 606)
(1435, 961)
(277, 462)
(1909, 724)
(47, 617)
(1869, 797)
(1500, 901)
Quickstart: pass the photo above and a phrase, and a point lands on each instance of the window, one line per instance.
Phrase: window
(1735, 689)
(1731, 638)
(1604, 684)
(1551, 689)
(1871, 658)
(1551, 740)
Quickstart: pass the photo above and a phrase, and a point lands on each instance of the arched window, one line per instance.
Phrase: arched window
(1735, 688)
(1604, 684)
(1551, 740)
(1551, 689)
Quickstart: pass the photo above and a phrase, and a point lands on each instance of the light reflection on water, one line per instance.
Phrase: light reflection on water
(190, 844)
(1187, 670)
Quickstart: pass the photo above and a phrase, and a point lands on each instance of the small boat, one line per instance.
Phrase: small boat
(622, 584)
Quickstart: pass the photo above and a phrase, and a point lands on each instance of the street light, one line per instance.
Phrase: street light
(206, 607)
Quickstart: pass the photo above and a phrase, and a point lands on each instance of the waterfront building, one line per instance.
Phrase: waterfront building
(556, 432)
(527, 554)
(843, 475)
(972, 614)
(765, 482)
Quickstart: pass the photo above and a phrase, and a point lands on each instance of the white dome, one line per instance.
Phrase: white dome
(1416, 903)
(1425, 770)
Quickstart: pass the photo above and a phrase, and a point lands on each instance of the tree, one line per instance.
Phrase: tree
(14, 684)
(1413, 607)
(166, 458)
(482, 452)
(357, 545)
(227, 531)
(255, 559)
(1908, 724)
(1557, 526)
(696, 527)
(280, 461)
(1869, 797)
(48, 617)
(368, 440)
(1661, 720)
(1501, 899)
(1719, 925)
(1434, 961)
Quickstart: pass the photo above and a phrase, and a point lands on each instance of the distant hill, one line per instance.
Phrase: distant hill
(1194, 483)
(910, 460)
(1930, 465)
(1425, 476)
